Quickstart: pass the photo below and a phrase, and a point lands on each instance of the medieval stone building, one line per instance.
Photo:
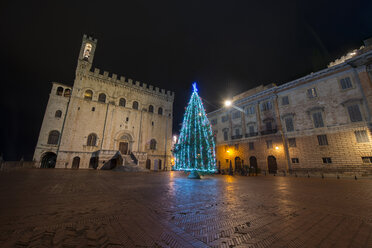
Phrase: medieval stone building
(318, 123)
(104, 120)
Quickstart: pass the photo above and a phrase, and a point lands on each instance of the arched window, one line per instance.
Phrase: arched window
(160, 111)
(59, 91)
(88, 95)
(151, 109)
(67, 93)
(135, 105)
(102, 97)
(92, 140)
(153, 144)
(58, 114)
(53, 137)
(122, 102)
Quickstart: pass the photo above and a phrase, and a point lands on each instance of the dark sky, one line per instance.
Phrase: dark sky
(226, 46)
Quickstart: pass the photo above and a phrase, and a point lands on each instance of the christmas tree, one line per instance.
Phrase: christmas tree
(195, 149)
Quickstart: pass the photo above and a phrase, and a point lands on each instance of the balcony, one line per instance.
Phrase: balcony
(247, 135)
(270, 131)
(236, 137)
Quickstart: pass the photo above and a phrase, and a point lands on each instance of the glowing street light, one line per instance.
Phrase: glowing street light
(228, 104)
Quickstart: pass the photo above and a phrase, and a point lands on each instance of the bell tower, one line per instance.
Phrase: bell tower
(86, 55)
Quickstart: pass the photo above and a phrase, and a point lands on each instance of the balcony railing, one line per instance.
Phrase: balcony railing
(236, 137)
(247, 135)
(271, 131)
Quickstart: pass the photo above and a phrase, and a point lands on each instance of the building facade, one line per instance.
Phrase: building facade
(317, 123)
(103, 121)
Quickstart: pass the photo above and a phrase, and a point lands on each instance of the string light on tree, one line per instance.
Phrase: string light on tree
(195, 148)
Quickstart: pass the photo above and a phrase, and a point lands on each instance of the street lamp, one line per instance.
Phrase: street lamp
(228, 103)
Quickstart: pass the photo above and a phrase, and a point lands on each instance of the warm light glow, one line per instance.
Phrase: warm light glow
(228, 151)
(277, 147)
(87, 50)
(228, 103)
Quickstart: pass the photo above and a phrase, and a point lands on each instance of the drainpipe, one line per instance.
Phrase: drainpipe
(139, 134)
(166, 136)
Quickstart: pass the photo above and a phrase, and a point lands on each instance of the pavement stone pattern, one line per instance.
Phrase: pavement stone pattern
(88, 208)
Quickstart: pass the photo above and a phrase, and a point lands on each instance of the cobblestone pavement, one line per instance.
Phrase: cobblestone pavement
(79, 208)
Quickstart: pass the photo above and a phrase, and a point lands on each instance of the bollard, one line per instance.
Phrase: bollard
(356, 177)
(338, 177)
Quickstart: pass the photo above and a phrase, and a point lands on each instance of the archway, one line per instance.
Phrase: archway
(124, 142)
(148, 164)
(75, 163)
(123, 148)
(48, 160)
(271, 162)
(93, 162)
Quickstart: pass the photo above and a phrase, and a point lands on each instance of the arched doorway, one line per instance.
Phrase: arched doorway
(93, 162)
(75, 163)
(238, 164)
(159, 164)
(253, 162)
(48, 160)
(148, 164)
(271, 162)
(123, 148)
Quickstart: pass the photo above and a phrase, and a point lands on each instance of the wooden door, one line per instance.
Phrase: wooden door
(273, 167)
(75, 163)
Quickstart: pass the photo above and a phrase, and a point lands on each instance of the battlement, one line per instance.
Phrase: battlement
(86, 37)
(114, 78)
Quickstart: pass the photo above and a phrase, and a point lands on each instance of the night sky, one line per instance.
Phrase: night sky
(226, 46)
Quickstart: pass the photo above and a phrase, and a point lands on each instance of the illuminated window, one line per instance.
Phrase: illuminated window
(122, 102)
(311, 93)
(87, 50)
(53, 137)
(102, 97)
(67, 93)
(367, 159)
(88, 95)
(135, 105)
(160, 111)
(151, 109)
(58, 114)
(92, 139)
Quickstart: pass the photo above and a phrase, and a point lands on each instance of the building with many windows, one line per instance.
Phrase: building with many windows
(320, 122)
(104, 120)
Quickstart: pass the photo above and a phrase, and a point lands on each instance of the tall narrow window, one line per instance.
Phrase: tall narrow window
(102, 97)
(151, 109)
(285, 100)
(88, 95)
(235, 115)
(251, 145)
(354, 113)
(292, 142)
(289, 124)
(160, 111)
(269, 144)
(224, 118)
(318, 119)
(59, 91)
(322, 140)
(135, 105)
(92, 139)
(67, 93)
(122, 102)
(53, 137)
(346, 83)
(225, 135)
(153, 144)
(251, 130)
(58, 114)
(311, 93)
(269, 125)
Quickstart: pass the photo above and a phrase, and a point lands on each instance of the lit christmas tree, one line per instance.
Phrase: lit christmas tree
(195, 149)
